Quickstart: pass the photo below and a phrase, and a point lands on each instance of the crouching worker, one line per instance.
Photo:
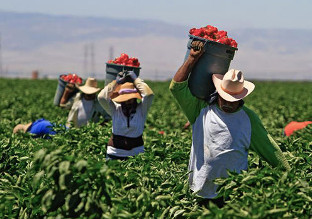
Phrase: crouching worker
(120, 100)
(84, 107)
(39, 128)
(223, 131)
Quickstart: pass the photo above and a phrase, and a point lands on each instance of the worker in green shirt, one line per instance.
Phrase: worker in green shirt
(223, 131)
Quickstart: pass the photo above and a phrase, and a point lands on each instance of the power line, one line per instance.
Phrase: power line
(89, 60)
(111, 53)
(1, 71)
(85, 60)
(92, 60)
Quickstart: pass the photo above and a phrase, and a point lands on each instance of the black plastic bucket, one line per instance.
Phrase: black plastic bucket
(215, 60)
(113, 69)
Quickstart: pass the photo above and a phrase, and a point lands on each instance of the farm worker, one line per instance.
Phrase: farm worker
(293, 126)
(223, 130)
(39, 128)
(84, 107)
(120, 100)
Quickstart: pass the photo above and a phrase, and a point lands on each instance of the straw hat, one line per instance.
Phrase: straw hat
(232, 86)
(90, 86)
(126, 92)
(21, 127)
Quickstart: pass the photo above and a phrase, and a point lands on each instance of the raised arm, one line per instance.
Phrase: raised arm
(67, 100)
(146, 93)
(189, 104)
(104, 98)
(183, 72)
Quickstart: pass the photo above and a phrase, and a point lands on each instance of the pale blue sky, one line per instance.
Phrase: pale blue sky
(222, 13)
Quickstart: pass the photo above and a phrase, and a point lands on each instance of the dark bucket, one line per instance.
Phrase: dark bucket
(60, 90)
(215, 60)
(113, 69)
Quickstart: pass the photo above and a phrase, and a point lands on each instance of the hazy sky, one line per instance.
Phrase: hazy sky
(222, 13)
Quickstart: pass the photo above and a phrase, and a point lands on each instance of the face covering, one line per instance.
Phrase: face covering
(129, 109)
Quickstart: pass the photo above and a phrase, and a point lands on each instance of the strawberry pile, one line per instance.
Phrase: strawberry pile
(72, 78)
(212, 33)
(124, 59)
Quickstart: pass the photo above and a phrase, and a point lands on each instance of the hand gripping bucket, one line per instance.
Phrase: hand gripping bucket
(113, 69)
(215, 60)
(60, 90)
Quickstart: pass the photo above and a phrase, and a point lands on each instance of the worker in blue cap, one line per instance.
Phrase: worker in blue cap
(39, 128)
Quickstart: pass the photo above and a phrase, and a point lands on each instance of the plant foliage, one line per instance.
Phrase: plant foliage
(68, 176)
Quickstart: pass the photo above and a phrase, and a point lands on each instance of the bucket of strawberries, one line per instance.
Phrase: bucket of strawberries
(62, 82)
(121, 64)
(219, 52)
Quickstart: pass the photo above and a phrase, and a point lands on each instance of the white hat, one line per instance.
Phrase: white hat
(232, 86)
(90, 86)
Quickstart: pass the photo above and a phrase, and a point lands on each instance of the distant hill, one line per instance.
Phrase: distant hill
(38, 30)
(57, 44)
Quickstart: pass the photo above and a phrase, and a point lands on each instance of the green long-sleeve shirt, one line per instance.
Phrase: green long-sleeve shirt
(221, 140)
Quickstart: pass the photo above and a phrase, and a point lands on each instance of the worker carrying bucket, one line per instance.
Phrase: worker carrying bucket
(223, 130)
(127, 99)
(64, 81)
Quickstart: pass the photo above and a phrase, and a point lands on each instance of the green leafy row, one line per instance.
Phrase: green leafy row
(68, 176)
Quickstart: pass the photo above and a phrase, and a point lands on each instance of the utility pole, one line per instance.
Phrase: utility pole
(111, 53)
(92, 60)
(85, 60)
(1, 71)
(89, 60)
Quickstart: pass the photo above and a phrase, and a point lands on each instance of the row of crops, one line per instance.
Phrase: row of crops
(67, 176)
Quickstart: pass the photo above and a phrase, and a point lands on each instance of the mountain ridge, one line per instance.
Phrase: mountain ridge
(54, 43)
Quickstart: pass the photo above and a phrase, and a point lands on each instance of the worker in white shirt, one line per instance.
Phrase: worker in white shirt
(127, 103)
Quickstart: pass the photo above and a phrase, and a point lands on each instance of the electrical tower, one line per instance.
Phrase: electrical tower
(92, 60)
(1, 71)
(111, 53)
(89, 60)
(85, 60)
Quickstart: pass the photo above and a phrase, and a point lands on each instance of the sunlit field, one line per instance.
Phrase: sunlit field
(67, 176)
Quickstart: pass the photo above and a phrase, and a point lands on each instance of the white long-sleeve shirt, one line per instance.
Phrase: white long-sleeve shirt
(120, 121)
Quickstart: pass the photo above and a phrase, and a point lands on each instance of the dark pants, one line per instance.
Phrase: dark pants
(217, 201)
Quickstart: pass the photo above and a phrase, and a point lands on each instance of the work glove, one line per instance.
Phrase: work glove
(121, 78)
(197, 49)
(132, 75)
(197, 46)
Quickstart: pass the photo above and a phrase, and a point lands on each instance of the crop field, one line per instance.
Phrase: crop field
(68, 177)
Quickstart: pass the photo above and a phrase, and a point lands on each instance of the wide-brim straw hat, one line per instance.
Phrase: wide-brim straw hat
(21, 127)
(125, 92)
(90, 86)
(232, 86)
